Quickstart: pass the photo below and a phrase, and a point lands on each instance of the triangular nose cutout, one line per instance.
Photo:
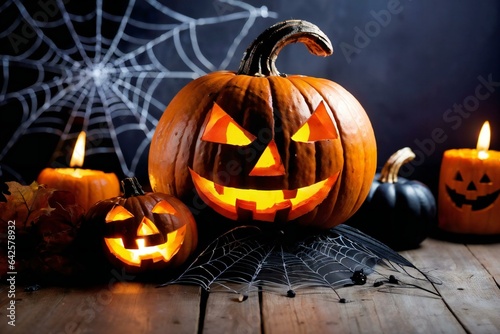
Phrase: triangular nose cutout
(471, 186)
(269, 163)
(146, 228)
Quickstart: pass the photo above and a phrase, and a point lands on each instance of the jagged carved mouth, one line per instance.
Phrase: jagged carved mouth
(263, 205)
(480, 203)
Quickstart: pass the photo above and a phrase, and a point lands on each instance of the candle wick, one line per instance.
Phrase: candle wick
(482, 154)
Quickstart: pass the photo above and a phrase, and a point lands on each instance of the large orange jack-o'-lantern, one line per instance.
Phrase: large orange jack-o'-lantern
(143, 231)
(260, 145)
(469, 190)
(264, 204)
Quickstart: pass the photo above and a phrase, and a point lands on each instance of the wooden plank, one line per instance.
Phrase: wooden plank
(467, 287)
(305, 313)
(120, 307)
(489, 256)
(470, 299)
(225, 313)
(367, 310)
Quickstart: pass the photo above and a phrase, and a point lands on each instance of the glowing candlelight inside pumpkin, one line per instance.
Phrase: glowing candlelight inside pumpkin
(88, 186)
(469, 188)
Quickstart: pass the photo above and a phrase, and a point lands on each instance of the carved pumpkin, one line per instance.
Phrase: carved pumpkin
(264, 146)
(469, 193)
(397, 211)
(143, 231)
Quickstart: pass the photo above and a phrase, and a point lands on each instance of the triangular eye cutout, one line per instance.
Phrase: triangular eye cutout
(485, 179)
(221, 128)
(269, 163)
(146, 228)
(320, 126)
(117, 213)
(163, 207)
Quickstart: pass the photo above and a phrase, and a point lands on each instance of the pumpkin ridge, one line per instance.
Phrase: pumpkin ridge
(221, 95)
(139, 204)
(278, 114)
(305, 97)
(199, 124)
(261, 91)
(362, 191)
(89, 193)
(300, 83)
(170, 225)
(244, 118)
(200, 117)
(159, 156)
(357, 183)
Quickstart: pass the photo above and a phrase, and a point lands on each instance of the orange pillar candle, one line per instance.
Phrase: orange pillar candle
(469, 188)
(88, 186)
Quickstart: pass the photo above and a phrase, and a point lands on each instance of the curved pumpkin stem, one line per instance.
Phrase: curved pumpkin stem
(260, 57)
(391, 168)
(131, 187)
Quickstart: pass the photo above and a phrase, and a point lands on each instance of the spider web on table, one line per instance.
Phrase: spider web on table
(257, 260)
(105, 67)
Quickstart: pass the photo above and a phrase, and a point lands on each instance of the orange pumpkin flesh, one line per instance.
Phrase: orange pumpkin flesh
(267, 159)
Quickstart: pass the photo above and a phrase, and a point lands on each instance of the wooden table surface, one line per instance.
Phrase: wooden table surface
(467, 301)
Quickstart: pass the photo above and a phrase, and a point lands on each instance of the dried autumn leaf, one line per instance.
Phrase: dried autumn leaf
(47, 221)
(25, 204)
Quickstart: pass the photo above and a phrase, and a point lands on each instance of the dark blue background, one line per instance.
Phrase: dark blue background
(411, 64)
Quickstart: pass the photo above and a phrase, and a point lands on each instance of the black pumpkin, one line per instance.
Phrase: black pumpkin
(399, 212)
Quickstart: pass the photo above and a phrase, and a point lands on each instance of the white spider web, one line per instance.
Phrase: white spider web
(286, 261)
(105, 67)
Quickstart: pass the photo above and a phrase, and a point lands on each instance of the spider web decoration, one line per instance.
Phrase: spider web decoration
(108, 68)
(257, 259)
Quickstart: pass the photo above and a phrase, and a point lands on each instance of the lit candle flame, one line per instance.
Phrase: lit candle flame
(483, 142)
(79, 151)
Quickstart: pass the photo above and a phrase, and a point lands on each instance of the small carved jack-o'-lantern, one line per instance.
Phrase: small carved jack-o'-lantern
(143, 231)
(469, 200)
(469, 189)
(260, 145)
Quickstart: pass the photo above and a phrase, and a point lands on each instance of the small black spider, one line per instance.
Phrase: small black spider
(358, 277)
(393, 280)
